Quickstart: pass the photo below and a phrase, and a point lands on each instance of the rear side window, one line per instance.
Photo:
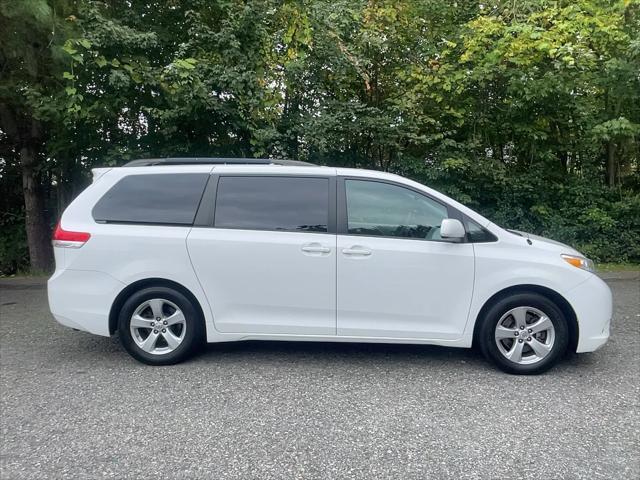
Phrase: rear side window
(273, 203)
(156, 199)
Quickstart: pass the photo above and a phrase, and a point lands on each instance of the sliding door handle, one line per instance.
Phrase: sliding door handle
(315, 248)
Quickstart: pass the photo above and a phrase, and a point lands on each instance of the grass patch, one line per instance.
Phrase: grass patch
(617, 267)
(27, 274)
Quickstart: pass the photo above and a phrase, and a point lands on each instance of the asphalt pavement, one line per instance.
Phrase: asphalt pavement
(77, 406)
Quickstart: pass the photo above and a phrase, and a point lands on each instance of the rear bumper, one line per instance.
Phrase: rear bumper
(82, 299)
(593, 304)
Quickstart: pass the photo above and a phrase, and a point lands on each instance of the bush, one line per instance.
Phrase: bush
(601, 222)
(14, 254)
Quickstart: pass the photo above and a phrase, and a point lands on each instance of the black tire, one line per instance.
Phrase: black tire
(489, 347)
(193, 334)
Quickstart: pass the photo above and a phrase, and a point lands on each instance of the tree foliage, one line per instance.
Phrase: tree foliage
(527, 111)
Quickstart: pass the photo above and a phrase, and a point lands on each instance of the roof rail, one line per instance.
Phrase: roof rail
(214, 161)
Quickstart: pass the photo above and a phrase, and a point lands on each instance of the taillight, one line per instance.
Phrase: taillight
(66, 239)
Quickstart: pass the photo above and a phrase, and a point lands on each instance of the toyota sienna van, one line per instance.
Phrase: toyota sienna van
(173, 253)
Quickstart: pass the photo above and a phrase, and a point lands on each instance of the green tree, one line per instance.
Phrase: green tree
(31, 64)
(528, 111)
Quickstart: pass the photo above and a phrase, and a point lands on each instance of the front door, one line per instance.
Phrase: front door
(397, 278)
(268, 264)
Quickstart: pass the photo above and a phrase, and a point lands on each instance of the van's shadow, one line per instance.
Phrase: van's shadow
(332, 349)
(92, 348)
(318, 354)
(329, 352)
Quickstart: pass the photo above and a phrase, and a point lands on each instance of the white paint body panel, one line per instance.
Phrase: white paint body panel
(263, 282)
(126, 253)
(592, 302)
(261, 285)
(80, 298)
(404, 289)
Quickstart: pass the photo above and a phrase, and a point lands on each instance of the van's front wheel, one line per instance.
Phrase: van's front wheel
(159, 326)
(525, 333)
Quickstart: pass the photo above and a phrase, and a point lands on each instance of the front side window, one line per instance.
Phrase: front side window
(153, 199)
(299, 204)
(385, 210)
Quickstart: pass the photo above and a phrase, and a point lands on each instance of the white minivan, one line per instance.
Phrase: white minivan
(172, 253)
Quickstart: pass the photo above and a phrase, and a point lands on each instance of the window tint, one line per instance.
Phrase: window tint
(273, 203)
(160, 199)
(382, 209)
(478, 234)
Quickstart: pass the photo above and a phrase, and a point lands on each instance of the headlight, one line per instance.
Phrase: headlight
(580, 262)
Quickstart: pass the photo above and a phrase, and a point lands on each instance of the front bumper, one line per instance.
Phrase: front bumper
(593, 304)
(82, 299)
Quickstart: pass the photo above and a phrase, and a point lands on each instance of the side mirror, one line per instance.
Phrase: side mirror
(452, 228)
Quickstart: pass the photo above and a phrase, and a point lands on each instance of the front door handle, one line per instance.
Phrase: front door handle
(315, 248)
(357, 250)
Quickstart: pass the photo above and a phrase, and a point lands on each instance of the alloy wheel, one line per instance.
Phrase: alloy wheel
(158, 326)
(525, 335)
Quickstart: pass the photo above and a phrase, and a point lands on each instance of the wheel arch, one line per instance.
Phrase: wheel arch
(145, 283)
(555, 297)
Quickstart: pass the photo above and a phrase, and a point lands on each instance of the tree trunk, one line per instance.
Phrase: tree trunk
(564, 162)
(38, 232)
(611, 164)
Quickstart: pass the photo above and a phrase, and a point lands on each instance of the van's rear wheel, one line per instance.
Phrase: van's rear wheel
(525, 333)
(159, 326)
